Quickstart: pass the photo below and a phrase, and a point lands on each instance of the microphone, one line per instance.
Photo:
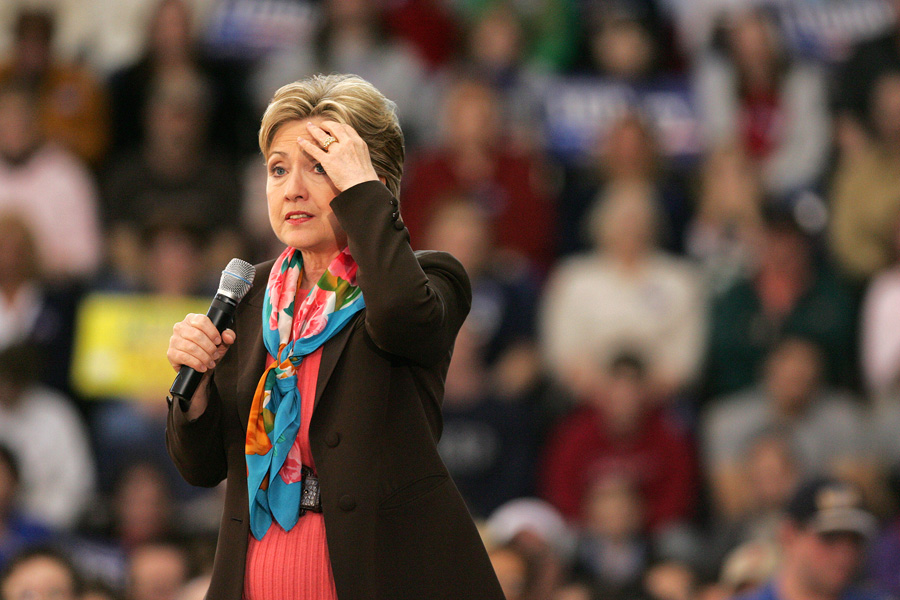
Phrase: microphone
(234, 284)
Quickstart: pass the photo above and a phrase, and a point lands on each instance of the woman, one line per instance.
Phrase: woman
(346, 339)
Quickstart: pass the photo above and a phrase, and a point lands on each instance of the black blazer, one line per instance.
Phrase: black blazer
(396, 525)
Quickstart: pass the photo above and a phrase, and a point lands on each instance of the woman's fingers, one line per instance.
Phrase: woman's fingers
(196, 343)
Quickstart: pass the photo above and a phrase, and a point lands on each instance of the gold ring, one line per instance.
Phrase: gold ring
(328, 141)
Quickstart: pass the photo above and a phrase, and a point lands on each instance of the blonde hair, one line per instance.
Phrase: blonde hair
(347, 99)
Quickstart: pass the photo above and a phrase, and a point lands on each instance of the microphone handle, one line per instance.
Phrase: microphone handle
(221, 313)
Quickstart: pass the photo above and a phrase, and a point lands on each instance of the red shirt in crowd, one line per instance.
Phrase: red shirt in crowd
(659, 458)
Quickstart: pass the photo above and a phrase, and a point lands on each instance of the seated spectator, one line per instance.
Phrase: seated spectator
(620, 431)
(855, 84)
(613, 549)
(353, 38)
(172, 51)
(724, 234)
(768, 472)
(788, 294)
(40, 573)
(865, 193)
(753, 95)
(177, 173)
(71, 105)
(670, 580)
(31, 309)
(628, 154)
(476, 161)
(17, 531)
(50, 188)
(748, 567)
(504, 297)
(880, 333)
(822, 544)
(495, 51)
(49, 439)
(157, 571)
(824, 427)
(626, 294)
(537, 532)
(489, 444)
(511, 567)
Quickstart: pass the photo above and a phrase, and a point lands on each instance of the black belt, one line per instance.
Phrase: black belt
(310, 498)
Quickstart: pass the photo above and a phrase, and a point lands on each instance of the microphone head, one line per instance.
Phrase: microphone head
(236, 279)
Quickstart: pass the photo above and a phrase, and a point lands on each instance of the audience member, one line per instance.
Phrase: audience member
(788, 294)
(31, 309)
(489, 444)
(537, 532)
(49, 439)
(823, 426)
(495, 52)
(476, 160)
(767, 474)
(176, 172)
(670, 580)
(157, 571)
(51, 189)
(353, 38)
(17, 532)
(40, 573)
(822, 543)
(613, 549)
(70, 104)
(172, 52)
(619, 431)
(865, 192)
(627, 154)
(725, 233)
(626, 294)
(854, 87)
(880, 335)
(754, 95)
(504, 297)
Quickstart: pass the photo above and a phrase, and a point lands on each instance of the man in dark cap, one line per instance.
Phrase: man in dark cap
(823, 542)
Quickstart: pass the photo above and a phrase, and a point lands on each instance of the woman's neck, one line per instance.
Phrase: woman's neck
(314, 266)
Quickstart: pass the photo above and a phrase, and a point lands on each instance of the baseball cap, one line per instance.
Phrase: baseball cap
(827, 505)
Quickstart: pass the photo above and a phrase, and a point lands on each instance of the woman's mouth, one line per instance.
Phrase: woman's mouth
(298, 217)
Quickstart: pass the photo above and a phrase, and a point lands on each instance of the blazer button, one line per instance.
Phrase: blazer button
(395, 215)
(333, 439)
(393, 202)
(398, 225)
(347, 503)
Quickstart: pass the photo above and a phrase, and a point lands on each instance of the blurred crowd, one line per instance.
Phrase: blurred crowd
(681, 219)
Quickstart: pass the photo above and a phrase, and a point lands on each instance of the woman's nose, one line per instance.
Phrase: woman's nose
(295, 186)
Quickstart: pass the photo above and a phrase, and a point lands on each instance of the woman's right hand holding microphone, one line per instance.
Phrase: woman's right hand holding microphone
(196, 343)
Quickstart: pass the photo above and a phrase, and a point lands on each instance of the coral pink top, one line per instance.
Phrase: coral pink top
(294, 564)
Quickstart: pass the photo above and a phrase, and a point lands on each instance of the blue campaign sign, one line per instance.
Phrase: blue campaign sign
(580, 110)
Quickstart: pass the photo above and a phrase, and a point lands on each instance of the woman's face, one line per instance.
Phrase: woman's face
(299, 194)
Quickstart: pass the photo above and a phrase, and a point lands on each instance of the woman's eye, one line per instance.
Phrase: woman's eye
(319, 169)
(277, 171)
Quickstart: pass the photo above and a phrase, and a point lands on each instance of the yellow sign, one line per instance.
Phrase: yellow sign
(121, 341)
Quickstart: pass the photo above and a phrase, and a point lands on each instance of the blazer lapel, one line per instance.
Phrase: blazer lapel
(331, 352)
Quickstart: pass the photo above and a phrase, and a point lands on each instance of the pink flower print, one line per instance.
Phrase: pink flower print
(281, 294)
(344, 267)
(310, 318)
(291, 470)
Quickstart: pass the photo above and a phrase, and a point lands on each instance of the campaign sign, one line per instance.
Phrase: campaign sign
(121, 341)
(580, 111)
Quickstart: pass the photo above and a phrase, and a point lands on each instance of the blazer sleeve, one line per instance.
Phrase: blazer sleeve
(197, 447)
(415, 302)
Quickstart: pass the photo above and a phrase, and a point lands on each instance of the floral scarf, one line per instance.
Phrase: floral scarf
(289, 334)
